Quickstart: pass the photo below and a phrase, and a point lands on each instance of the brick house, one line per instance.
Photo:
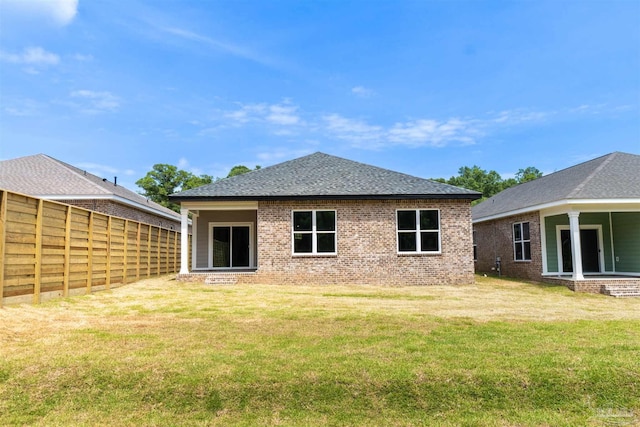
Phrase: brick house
(51, 179)
(323, 219)
(579, 227)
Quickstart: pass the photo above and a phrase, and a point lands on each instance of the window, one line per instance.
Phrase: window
(521, 242)
(314, 232)
(418, 231)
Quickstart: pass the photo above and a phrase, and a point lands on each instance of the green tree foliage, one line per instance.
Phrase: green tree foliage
(527, 174)
(239, 170)
(164, 180)
(489, 183)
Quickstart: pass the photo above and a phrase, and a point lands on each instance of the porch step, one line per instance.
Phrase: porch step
(622, 290)
(221, 280)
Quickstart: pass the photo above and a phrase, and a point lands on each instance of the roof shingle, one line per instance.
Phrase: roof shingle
(613, 176)
(322, 176)
(43, 176)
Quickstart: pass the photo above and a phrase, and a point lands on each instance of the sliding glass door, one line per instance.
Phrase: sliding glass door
(230, 246)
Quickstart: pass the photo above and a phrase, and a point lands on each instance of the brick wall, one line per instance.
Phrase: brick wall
(366, 246)
(495, 239)
(113, 208)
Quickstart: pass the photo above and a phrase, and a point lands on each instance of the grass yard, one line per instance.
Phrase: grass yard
(160, 352)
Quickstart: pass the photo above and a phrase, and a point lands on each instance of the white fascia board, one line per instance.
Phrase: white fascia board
(562, 206)
(115, 199)
(220, 206)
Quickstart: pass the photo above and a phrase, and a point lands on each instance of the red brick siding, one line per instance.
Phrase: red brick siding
(366, 246)
(495, 239)
(112, 208)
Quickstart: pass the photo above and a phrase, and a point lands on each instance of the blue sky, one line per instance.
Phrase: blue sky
(421, 87)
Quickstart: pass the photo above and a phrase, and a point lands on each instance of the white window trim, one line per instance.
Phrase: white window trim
(474, 243)
(314, 234)
(522, 241)
(419, 250)
(597, 227)
(230, 224)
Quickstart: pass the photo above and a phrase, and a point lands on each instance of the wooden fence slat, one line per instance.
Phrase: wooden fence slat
(38, 260)
(47, 246)
(3, 234)
(90, 254)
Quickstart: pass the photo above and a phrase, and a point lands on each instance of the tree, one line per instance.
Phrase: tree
(528, 174)
(489, 183)
(239, 170)
(474, 178)
(164, 180)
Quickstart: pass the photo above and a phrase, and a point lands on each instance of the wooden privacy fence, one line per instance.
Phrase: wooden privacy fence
(52, 249)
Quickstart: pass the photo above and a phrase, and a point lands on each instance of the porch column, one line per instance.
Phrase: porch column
(184, 241)
(576, 252)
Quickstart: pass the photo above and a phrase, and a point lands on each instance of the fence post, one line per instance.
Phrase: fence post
(175, 252)
(138, 252)
(158, 253)
(38, 259)
(108, 272)
(3, 240)
(90, 254)
(67, 253)
(149, 251)
(126, 258)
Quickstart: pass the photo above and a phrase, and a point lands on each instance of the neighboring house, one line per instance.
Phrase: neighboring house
(323, 219)
(47, 178)
(579, 226)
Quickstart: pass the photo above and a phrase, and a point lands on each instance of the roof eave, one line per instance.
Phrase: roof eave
(463, 196)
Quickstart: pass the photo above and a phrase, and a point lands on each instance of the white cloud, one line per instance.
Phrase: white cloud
(285, 119)
(362, 92)
(82, 58)
(36, 56)
(284, 115)
(228, 48)
(356, 131)
(97, 101)
(432, 132)
(97, 169)
(60, 12)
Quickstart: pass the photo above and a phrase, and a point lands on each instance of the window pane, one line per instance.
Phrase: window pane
(527, 251)
(302, 221)
(240, 247)
(406, 220)
(221, 246)
(525, 231)
(519, 251)
(429, 220)
(517, 233)
(302, 243)
(407, 242)
(429, 241)
(326, 242)
(325, 221)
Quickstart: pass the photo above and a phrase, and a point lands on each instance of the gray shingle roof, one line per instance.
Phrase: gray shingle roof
(43, 176)
(322, 176)
(613, 176)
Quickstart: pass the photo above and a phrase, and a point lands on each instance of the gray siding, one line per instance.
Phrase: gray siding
(207, 217)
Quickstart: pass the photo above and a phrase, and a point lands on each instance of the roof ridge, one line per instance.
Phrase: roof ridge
(73, 170)
(607, 159)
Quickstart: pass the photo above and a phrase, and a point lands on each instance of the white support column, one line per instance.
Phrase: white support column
(184, 241)
(576, 252)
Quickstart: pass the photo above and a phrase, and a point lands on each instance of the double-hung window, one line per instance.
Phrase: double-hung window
(418, 231)
(314, 232)
(521, 242)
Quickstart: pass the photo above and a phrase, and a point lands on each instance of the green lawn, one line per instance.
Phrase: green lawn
(160, 352)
